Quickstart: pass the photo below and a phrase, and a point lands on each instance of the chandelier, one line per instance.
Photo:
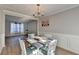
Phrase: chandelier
(38, 11)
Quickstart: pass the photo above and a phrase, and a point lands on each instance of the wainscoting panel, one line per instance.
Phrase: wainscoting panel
(2, 42)
(68, 42)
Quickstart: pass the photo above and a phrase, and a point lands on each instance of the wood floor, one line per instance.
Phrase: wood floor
(13, 47)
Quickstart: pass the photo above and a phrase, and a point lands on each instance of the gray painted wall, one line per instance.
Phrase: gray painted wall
(66, 22)
(32, 27)
(8, 20)
(25, 26)
(47, 29)
(7, 27)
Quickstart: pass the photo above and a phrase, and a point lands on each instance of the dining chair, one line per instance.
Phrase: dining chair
(48, 35)
(49, 48)
(26, 51)
(52, 47)
(22, 45)
(31, 36)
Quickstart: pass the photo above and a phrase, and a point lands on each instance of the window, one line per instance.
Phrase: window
(22, 27)
(12, 28)
(17, 27)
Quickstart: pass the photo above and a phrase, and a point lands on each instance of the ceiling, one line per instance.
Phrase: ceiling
(29, 9)
(12, 18)
(17, 19)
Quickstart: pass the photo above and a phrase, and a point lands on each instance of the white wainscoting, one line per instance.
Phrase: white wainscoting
(2, 42)
(68, 42)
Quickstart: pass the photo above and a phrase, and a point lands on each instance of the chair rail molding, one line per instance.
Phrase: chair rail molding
(68, 42)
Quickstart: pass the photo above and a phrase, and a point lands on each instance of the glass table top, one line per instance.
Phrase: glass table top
(32, 48)
(35, 46)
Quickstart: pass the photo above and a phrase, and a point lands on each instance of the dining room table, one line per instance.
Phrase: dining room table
(39, 46)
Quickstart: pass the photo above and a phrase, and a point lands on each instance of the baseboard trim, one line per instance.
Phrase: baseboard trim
(1, 50)
(68, 50)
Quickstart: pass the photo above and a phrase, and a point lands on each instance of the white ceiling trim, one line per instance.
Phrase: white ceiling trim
(62, 10)
(22, 16)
